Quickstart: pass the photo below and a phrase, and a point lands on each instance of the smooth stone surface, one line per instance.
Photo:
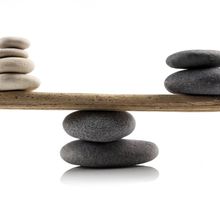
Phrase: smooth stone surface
(14, 42)
(122, 153)
(18, 82)
(195, 82)
(16, 65)
(190, 59)
(99, 126)
(13, 52)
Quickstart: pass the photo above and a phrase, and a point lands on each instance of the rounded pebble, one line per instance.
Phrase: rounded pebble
(14, 42)
(99, 126)
(18, 82)
(195, 82)
(13, 52)
(122, 153)
(190, 59)
(16, 65)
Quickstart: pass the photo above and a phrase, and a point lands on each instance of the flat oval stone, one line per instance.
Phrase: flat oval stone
(18, 82)
(13, 52)
(14, 42)
(16, 65)
(195, 82)
(99, 126)
(122, 153)
(190, 59)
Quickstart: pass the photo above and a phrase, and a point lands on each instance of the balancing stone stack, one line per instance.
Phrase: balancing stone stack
(202, 74)
(100, 144)
(14, 65)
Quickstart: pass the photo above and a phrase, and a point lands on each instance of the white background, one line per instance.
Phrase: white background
(112, 46)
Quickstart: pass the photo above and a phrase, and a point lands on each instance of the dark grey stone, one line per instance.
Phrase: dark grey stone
(190, 59)
(122, 153)
(195, 82)
(99, 126)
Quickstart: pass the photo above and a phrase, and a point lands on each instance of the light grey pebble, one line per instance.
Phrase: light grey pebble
(122, 153)
(195, 82)
(13, 52)
(10, 82)
(190, 59)
(99, 126)
(16, 65)
(14, 42)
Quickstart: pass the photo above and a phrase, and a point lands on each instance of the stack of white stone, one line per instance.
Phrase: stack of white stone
(15, 65)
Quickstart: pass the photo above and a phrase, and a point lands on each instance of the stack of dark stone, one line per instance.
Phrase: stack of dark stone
(101, 144)
(202, 74)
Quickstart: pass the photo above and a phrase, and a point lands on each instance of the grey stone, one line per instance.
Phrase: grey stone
(195, 82)
(10, 82)
(16, 65)
(13, 52)
(190, 59)
(14, 42)
(122, 153)
(99, 126)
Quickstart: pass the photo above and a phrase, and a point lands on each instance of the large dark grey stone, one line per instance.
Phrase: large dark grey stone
(195, 82)
(190, 59)
(122, 153)
(99, 126)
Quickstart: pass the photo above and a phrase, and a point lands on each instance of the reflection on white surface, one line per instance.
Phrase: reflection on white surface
(120, 175)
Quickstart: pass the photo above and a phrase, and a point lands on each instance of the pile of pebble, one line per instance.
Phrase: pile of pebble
(101, 144)
(14, 65)
(202, 74)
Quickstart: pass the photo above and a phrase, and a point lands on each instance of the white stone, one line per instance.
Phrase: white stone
(13, 52)
(14, 42)
(18, 82)
(16, 65)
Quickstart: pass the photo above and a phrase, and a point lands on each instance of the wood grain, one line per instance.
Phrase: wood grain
(84, 101)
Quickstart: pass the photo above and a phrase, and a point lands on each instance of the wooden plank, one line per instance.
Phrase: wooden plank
(126, 102)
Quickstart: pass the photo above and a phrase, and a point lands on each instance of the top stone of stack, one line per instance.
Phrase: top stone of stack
(14, 42)
(194, 59)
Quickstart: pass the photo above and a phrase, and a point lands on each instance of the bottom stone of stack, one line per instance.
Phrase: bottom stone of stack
(194, 82)
(13, 81)
(121, 153)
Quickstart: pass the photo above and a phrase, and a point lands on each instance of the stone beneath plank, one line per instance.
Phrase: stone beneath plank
(122, 153)
(190, 59)
(16, 65)
(99, 126)
(14, 42)
(195, 82)
(10, 82)
(13, 52)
